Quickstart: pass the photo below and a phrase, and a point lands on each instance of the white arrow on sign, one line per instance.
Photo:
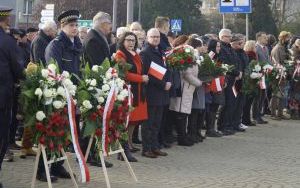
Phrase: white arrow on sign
(45, 19)
(47, 13)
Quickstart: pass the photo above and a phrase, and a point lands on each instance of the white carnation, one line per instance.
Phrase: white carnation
(38, 92)
(58, 104)
(66, 74)
(257, 68)
(255, 75)
(40, 115)
(48, 93)
(93, 83)
(95, 68)
(45, 73)
(120, 97)
(108, 75)
(105, 87)
(61, 91)
(87, 104)
(100, 100)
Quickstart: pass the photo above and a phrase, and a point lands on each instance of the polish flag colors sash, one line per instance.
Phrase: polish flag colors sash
(109, 105)
(84, 171)
(157, 71)
(217, 84)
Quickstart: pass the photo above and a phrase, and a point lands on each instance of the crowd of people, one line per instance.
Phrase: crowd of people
(177, 108)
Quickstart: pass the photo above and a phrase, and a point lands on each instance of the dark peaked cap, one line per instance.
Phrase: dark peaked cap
(5, 11)
(68, 16)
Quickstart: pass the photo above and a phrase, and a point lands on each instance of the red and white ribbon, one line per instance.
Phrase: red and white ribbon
(84, 171)
(109, 105)
(262, 83)
(130, 97)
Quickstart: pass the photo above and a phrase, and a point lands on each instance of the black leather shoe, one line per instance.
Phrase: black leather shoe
(227, 132)
(43, 177)
(61, 172)
(129, 158)
(185, 142)
(98, 163)
(261, 121)
(213, 134)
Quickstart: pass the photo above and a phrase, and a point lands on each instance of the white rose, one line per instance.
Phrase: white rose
(67, 82)
(61, 91)
(52, 67)
(255, 75)
(100, 100)
(198, 62)
(257, 68)
(38, 92)
(40, 116)
(187, 50)
(120, 98)
(87, 104)
(95, 68)
(45, 73)
(58, 104)
(88, 81)
(48, 93)
(90, 88)
(66, 74)
(93, 83)
(105, 87)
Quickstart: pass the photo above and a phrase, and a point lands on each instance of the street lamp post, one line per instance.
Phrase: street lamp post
(115, 13)
(129, 11)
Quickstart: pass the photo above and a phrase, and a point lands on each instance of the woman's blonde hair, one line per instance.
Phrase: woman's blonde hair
(249, 46)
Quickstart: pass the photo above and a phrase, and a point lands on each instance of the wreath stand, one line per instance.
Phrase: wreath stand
(111, 152)
(42, 150)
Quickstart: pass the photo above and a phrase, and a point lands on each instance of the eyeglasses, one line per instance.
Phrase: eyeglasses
(130, 40)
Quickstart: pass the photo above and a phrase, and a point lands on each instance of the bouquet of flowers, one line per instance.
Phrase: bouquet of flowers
(255, 77)
(276, 77)
(43, 95)
(103, 99)
(182, 57)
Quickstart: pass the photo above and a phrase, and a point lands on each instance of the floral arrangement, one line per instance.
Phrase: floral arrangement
(93, 93)
(43, 95)
(182, 57)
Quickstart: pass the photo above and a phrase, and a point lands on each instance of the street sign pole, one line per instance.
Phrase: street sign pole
(247, 26)
(224, 21)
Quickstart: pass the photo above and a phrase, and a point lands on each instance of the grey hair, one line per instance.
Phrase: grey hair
(101, 17)
(48, 25)
(152, 30)
(121, 31)
(82, 28)
(224, 32)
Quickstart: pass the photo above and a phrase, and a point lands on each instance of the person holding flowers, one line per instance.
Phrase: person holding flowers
(136, 77)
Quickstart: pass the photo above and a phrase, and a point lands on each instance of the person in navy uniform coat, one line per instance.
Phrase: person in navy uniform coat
(10, 71)
(66, 50)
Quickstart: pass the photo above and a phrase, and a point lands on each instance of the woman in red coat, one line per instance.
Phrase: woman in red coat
(136, 78)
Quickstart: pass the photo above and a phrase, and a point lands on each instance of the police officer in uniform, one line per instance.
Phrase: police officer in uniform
(10, 71)
(66, 50)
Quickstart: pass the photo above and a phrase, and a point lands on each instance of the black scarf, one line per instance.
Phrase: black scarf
(134, 85)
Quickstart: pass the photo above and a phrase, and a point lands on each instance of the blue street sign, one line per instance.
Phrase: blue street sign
(235, 6)
(176, 25)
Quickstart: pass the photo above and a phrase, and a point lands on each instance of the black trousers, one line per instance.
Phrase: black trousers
(151, 127)
(210, 116)
(5, 117)
(14, 122)
(226, 118)
(238, 112)
(258, 104)
(195, 121)
(246, 118)
(164, 125)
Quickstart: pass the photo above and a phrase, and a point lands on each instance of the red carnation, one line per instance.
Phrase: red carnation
(61, 133)
(181, 61)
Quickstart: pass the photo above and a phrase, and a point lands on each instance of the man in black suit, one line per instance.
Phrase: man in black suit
(157, 94)
(10, 71)
(96, 47)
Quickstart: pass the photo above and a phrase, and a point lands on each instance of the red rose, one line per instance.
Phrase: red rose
(189, 60)
(61, 133)
(42, 140)
(51, 145)
(93, 116)
(39, 126)
(98, 132)
(181, 61)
